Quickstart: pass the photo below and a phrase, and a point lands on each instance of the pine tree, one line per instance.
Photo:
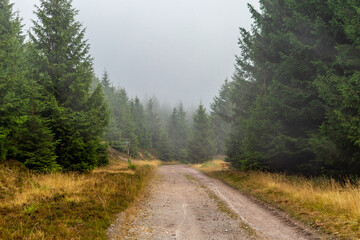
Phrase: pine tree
(11, 74)
(153, 123)
(338, 146)
(201, 145)
(178, 133)
(112, 133)
(164, 148)
(141, 129)
(66, 74)
(274, 122)
(221, 112)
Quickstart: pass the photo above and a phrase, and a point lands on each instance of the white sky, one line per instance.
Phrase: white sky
(178, 50)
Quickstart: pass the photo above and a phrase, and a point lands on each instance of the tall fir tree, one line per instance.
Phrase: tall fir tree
(77, 115)
(221, 112)
(275, 121)
(178, 133)
(24, 134)
(11, 74)
(154, 123)
(201, 146)
(338, 146)
(141, 128)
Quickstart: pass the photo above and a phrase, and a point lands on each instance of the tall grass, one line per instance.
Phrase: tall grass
(66, 205)
(323, 203)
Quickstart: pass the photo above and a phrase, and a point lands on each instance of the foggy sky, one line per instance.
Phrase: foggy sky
(178, 50)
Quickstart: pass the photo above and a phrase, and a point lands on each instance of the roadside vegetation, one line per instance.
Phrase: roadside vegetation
(321, 202)
(67, 205)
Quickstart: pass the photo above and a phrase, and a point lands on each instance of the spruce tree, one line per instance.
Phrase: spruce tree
(112, 133)
(281, 111)
(338, 146)
(11, 74)
(76, 114)
(141, 128)
(201, 146)
(221, 112)
(153, 123)
(178, 133)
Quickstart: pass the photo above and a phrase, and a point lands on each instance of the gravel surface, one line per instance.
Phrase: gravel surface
(183, 203)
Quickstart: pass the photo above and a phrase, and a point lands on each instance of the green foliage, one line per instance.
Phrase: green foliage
(296, 89)
(141, 127)
(221, 112)
(77, 115)
(154, 123)
(164, 148)
(178, 130)
(338, 146)
(201, 145)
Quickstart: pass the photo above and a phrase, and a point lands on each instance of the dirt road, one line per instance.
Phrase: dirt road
(185, 204)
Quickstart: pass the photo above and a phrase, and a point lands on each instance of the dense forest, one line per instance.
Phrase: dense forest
(293, 103)
(296, 90)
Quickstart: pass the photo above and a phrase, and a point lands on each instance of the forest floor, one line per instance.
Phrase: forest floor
(183, 203)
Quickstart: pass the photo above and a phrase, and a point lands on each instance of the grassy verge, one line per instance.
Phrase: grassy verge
(322, 203)
(67, 205)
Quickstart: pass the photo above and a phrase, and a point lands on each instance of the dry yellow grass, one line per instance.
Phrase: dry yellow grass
(67, 205)
(321, 202)
(214, 165)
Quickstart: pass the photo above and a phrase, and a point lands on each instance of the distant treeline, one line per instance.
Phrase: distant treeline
(296, 89)
(166, 133)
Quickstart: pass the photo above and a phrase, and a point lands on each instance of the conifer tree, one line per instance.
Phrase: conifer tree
(141, 128)
(77, 115)
(164, 148)
(11, 42)
(153, 123)
(221, 112)
(201, 145)
(178, 133)
(338, 146)
(112, 133)
(281, 111)
(27, 137)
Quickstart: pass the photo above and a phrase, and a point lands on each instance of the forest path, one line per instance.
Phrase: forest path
(183, 203)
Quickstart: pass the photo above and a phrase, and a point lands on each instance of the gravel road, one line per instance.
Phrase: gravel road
(183, 203)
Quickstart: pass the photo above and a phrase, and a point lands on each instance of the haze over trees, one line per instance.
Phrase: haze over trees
(292, 104)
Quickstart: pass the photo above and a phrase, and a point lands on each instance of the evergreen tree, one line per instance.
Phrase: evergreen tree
(178, 133)
(112, 133)
(201, 145)
(275, 120)
(11, 74)
(164, 148)
(77, 115)
(338, 146)
(153, 123)
(122, 112)
(141, 129)
(24, 134)
(221, 112)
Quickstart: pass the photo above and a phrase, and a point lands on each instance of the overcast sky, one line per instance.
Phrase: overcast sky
(178, 50)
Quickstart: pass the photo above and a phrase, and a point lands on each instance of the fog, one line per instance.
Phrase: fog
(178, 50)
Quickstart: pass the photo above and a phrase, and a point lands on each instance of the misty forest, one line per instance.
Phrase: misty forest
(292, 105)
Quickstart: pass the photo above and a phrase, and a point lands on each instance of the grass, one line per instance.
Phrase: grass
(323, 203)
(67, 205)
